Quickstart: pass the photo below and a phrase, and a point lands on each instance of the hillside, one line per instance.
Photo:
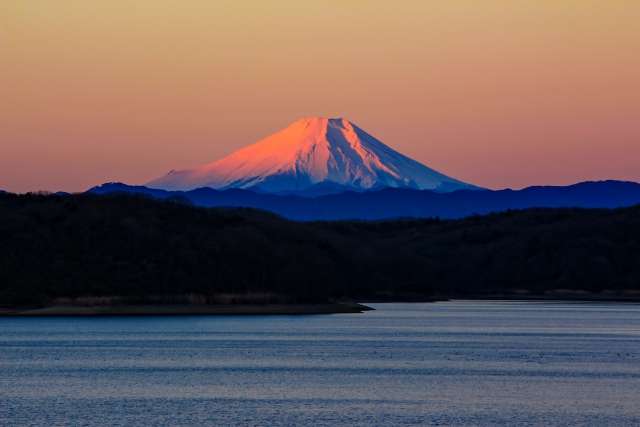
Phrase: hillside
(85, 245)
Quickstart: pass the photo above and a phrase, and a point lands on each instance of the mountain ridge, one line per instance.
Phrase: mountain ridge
(391, 203)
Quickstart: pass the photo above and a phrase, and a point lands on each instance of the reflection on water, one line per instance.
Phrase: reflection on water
(476, 363)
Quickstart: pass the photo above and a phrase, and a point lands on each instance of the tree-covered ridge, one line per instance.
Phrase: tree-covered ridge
(54, 246)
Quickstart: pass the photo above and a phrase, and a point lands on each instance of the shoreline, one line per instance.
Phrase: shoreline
(185, 310)
(576, 297)
(294, 309)
(559, 296)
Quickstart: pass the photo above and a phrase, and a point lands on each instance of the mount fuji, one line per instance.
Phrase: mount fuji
(313, 155)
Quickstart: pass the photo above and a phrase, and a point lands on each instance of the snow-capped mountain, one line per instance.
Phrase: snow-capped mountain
(312, 153)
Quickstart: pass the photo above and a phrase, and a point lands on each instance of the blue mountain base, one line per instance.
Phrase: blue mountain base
(401, 203)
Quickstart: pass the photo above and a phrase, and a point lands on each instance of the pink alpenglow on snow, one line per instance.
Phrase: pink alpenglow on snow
(313, 153)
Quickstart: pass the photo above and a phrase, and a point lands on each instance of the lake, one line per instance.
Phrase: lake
(449, 363)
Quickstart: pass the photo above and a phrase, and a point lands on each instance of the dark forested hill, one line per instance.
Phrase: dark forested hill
(87, 245)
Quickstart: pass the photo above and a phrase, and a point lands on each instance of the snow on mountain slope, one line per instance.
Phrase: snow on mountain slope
(311, 152)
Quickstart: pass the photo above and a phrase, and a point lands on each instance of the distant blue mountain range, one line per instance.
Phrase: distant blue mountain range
(397, 203)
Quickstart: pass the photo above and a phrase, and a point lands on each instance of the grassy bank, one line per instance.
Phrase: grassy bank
(186, 310)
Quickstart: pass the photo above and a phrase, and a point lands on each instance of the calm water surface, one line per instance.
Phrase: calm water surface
(453, 363)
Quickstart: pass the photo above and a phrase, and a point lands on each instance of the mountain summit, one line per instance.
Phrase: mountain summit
(309, 154)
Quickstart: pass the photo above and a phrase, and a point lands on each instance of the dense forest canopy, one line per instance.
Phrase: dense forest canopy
(54, 246)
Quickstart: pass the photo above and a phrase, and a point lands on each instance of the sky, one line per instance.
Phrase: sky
(499, 93)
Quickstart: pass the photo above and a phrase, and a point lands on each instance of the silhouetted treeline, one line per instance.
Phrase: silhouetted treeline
(54, 246)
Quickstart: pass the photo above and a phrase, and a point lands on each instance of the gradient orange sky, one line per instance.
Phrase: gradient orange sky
(502, 93)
